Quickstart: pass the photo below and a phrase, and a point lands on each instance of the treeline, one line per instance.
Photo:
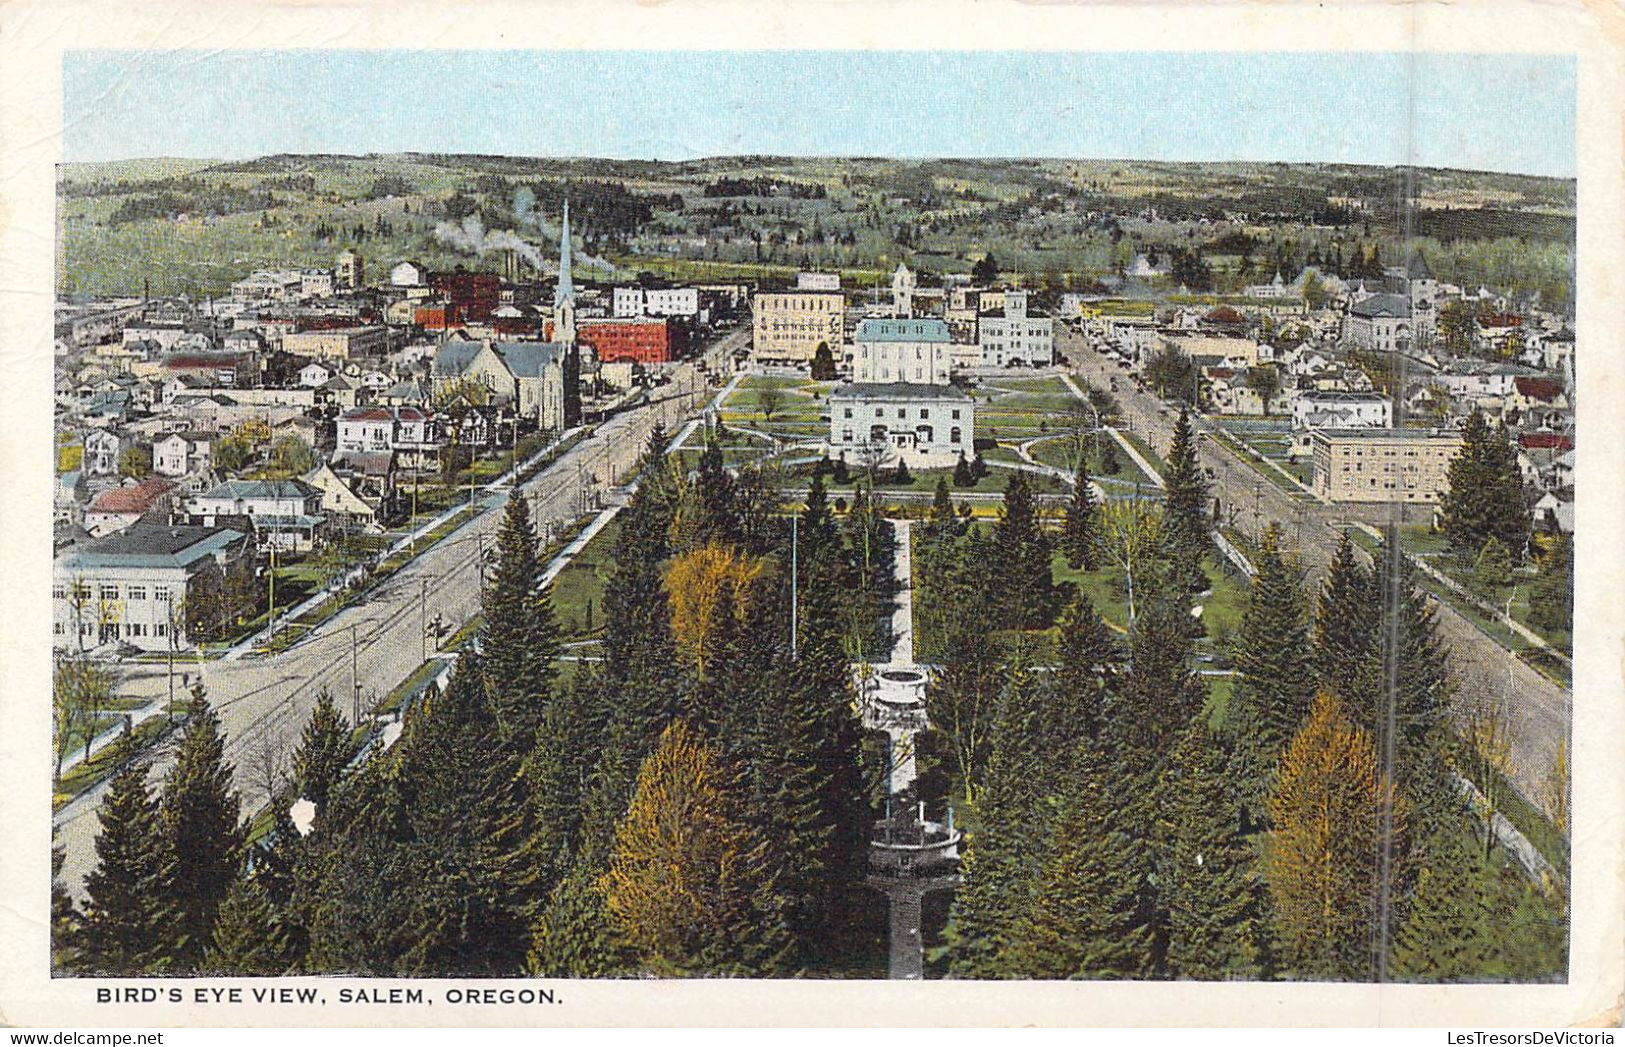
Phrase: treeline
(726, 186)
(192, 197)
(695, 805)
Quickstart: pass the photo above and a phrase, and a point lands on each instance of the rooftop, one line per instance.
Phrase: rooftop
(152, 545)
(897, 391)
(898, 330)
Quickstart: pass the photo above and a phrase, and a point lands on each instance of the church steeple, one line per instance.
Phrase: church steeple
(564, 296)
(566, 290)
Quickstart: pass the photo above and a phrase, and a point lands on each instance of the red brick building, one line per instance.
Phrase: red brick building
(644, 340)
(474, 295)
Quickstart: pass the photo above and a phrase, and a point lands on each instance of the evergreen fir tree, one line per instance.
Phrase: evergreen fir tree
(1551, 599)
(964, 475)
(1083, 918)
(1449, 926)
(1485, 497)
(458, 833)
(1345, 621)
(1109, 463)
(126, 926)
(1080, 534)
(943, 523)
(572, 936)
(323, 753)
(1021, 559)
(1185, 507)
(64, 916)
(1089, 662)
(1275, 682)
(1027, 757)
(1212, 896)
(198, 821)
(901, 476)
(249, 940)
(520, 636)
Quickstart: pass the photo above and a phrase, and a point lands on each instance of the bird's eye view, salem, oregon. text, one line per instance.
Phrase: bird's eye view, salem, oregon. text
(522, 564)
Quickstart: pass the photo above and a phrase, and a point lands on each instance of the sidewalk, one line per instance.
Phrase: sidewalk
(337, 585)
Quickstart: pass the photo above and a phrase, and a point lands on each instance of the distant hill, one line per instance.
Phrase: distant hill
(194, 226)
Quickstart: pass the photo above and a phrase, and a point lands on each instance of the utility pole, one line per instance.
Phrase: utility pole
(795, 599)
(423, 619)
(270, 618)
(355, 682)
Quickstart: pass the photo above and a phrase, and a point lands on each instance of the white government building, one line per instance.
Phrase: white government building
(900, 403)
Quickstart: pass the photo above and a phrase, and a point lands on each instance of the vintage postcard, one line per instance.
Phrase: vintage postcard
(530, 515)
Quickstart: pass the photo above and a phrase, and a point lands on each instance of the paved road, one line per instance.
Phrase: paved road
(263, 702)
(1483, 671)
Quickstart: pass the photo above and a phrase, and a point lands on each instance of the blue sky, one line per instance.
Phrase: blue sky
(1484, 112)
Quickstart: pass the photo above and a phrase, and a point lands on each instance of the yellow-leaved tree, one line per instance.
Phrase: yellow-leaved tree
(695, 582)
(1338, 827)
(690, 889)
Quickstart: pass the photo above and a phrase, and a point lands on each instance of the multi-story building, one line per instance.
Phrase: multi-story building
(268, 285)
(930, 424)
(349, 272)
(791, 326)
(642, 339)
(656, 301)
(337, 343)
(1010, 335)
(315, 283)
(410, 432)
(177, 454)
(818, 281)
(1379, 321)
(1383, 465)
(130, 587)
(902, 350)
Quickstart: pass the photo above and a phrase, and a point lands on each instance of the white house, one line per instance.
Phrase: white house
(1337, 409)
(315, 375)
(407, 274)
(285, 514)
(177, 454)
(410, 431)
(102, 447)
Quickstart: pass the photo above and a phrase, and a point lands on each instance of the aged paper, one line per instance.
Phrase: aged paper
(298, 297)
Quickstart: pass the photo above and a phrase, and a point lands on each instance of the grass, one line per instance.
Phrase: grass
(1490, 625)
(580, 586)
(1235, 445)
(1146, 451)
(88, 774)
(1058, 452)
(1219, 690)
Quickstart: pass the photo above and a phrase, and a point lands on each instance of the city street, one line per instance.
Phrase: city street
(1482, 670)
(366, 650)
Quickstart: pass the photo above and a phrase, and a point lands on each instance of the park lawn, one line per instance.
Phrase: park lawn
(580, 586)
(1056, 451)
(1219, 690)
